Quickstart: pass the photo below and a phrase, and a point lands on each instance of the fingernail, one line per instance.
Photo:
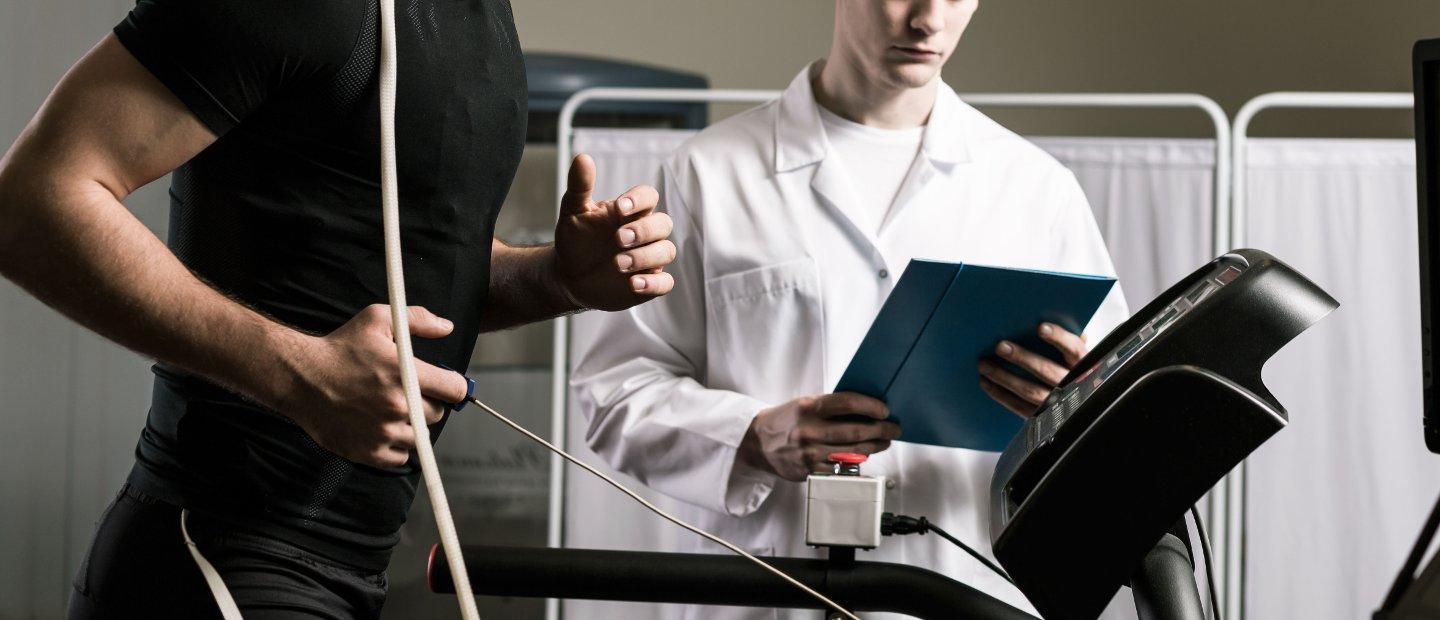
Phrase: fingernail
(637, 283)
(1046, 329)
(625, 261)
(626, 205)
(627, 237)
(447, 323)
(1005, 349)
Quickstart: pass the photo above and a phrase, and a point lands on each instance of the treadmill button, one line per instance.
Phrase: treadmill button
(1165, 319)
(1129, 347)
(1199, 292)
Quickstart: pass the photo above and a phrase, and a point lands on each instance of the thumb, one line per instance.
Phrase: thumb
(578, 186)
(425, 324)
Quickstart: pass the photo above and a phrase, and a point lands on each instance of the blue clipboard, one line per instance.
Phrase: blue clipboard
(921, 354)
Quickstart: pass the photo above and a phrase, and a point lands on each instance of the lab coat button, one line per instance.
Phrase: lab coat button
(884, 273)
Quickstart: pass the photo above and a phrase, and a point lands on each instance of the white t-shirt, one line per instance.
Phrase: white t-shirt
(876, 160)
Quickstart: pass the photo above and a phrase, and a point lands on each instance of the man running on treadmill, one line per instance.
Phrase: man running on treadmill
(278, 419)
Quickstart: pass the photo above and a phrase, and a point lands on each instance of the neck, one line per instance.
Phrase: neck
(843, 89)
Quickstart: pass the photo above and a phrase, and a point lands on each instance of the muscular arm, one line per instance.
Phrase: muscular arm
(110, 127)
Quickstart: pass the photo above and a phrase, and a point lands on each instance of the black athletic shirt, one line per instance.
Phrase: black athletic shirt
(283, 213)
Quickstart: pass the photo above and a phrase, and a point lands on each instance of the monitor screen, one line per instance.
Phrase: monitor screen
(1427, 160)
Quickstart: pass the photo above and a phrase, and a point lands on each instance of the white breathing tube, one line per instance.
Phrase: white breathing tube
(400, 319)
(400, 316)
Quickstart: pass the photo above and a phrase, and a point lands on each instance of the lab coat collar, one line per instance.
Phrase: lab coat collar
(800, 138)
(946, 140)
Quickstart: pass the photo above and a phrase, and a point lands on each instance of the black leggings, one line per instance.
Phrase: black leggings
(138, 567)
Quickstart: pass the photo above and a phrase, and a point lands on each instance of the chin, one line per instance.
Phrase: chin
(913, 75)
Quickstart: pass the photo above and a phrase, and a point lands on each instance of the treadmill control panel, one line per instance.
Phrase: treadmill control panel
(1142, 428)
(1063, 401)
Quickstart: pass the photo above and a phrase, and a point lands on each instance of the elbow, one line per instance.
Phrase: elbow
(17, 193)
(20, 184)
(37, 203)
(10, 221)
(607, 437)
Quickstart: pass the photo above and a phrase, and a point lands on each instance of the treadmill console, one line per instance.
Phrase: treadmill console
(1143, 426)
(1064, 400)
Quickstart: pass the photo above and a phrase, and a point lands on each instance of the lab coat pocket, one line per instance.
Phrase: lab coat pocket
(764, 331)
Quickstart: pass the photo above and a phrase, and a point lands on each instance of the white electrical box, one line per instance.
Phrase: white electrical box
(844, 511)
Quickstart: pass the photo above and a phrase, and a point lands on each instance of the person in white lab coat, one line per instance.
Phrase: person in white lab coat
(793, 222)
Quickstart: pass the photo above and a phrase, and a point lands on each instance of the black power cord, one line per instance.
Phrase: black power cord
(892, 524)
(1209, 567)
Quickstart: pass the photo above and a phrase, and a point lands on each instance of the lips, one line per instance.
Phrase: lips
(916, 53)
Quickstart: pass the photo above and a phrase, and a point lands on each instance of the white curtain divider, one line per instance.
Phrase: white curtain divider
(1334, 501)
(1234, 527)
(1154, 201)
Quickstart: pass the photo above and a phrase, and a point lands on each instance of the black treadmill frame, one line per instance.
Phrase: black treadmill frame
(1426, 64)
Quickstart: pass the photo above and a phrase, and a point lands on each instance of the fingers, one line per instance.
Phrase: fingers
(849, 433)
(399, 441)
(389, 457)
(578, 186)
(436, 383)
(650, 252)
(1071, 347)
(440, 388)
(1028, 391)
(1007, 399)
(648, 229)
(850, 403)
(635, 203)
(425, 324)
(371, 317)
(1043, 368)
(653, 256)
(652, 284)
(435, 410)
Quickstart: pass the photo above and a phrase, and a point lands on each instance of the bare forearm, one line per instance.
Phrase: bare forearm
(524, 287)
(76, 248)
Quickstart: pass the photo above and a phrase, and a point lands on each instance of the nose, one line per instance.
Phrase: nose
(928, 16)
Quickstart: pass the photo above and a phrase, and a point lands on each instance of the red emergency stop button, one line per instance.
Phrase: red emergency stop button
(847, 458)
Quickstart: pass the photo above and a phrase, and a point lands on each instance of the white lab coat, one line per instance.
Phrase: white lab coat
(779, 275)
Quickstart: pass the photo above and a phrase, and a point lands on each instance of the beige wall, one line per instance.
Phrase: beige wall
(1230, 50)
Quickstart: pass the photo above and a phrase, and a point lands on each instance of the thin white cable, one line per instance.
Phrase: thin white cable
(655, 509)
(228, 609)
(399, 313)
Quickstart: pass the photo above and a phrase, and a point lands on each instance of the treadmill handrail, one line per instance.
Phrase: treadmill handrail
(707, 579)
